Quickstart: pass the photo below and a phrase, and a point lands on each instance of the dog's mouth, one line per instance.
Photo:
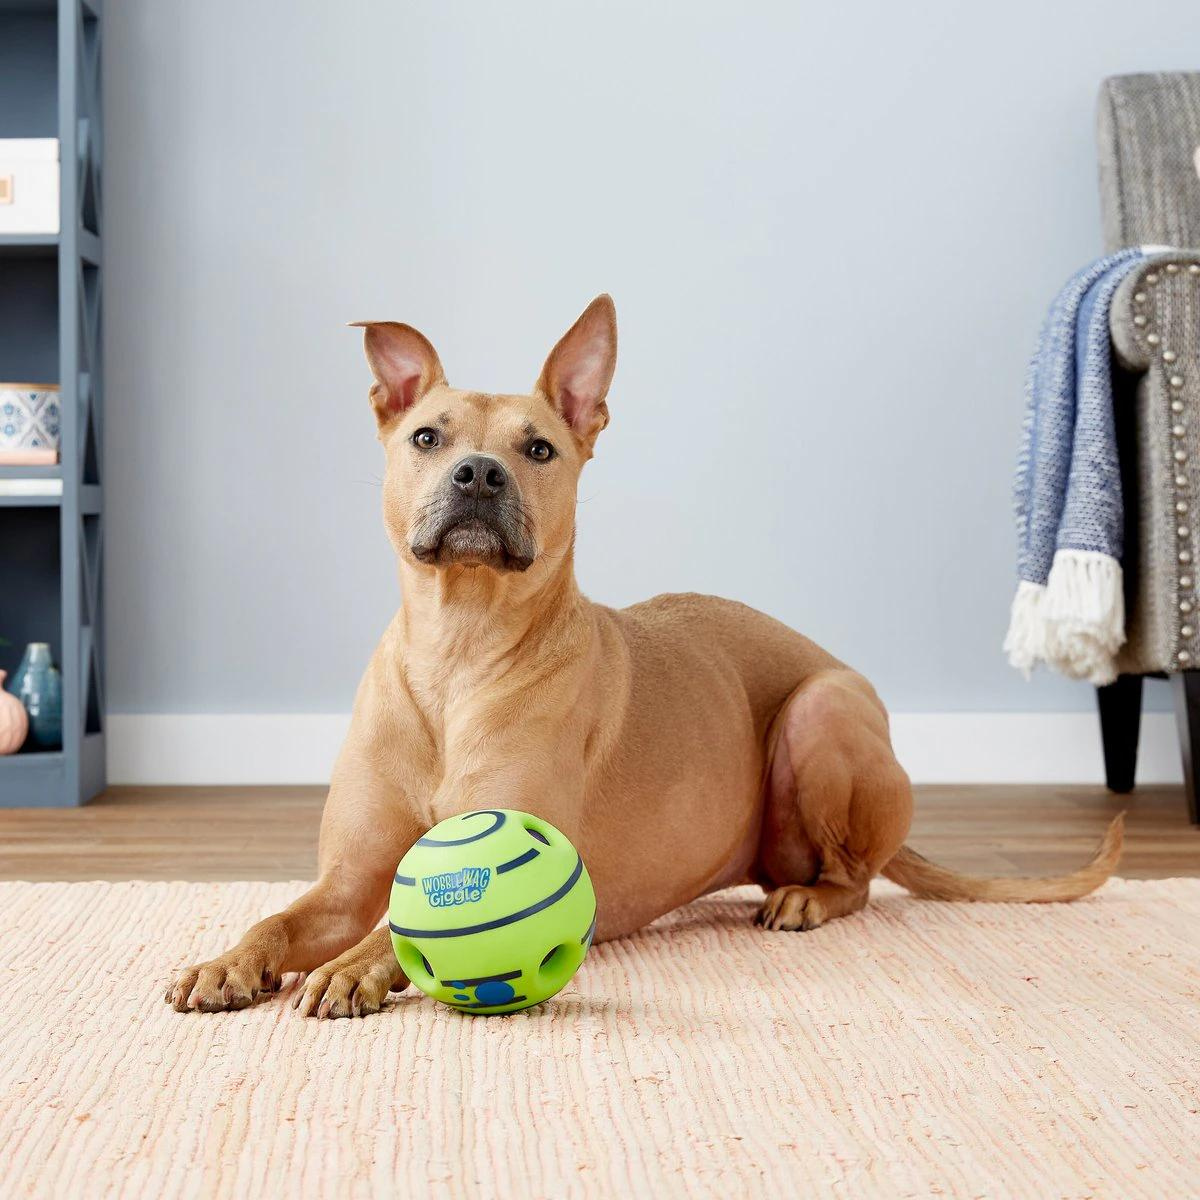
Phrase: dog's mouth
(475, 536)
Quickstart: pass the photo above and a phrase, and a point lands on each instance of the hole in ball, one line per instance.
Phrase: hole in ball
(553, 960)
(412, 961)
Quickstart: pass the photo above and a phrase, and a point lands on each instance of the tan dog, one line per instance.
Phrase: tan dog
(684, 744)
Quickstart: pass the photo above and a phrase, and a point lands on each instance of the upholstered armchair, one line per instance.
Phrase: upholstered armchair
(1149, 141)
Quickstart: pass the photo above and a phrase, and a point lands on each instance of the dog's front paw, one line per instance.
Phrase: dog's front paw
(791, 907)
(235, 980)
(354, 984)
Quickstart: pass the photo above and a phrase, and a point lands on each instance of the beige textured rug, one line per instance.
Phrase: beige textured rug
(915, 1049)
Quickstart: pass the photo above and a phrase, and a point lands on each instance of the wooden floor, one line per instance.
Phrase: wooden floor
(271, 833)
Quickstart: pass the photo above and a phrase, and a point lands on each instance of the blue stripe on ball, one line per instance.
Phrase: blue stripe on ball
(519, 861)
(469, 983)
(482, 812)
(465, 930)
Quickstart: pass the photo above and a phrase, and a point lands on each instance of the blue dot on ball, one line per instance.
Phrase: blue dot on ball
(461, 996)
(494, 992)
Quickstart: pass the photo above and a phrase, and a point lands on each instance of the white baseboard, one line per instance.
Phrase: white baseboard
(224, 747)
(1025, 748)
(265, 748)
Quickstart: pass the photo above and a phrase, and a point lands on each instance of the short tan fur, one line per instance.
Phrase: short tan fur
(685, 744)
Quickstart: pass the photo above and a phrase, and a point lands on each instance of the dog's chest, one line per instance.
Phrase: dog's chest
(458, 727)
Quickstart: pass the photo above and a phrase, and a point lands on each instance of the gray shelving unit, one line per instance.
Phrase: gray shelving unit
(51, 547)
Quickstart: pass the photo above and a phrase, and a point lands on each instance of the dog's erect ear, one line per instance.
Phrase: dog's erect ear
(580, 368)
(404, 364)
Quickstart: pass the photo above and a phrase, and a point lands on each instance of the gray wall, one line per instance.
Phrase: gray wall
(830, 231)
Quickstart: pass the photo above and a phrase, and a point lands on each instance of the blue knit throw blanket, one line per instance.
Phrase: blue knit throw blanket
(1069, 610)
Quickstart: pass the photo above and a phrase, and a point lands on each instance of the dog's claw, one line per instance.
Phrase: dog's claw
(306, 1002)
(792, 908)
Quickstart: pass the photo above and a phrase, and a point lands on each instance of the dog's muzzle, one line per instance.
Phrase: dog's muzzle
(476, 519)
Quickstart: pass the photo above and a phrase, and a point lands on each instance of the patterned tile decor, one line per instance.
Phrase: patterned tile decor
(30, 417)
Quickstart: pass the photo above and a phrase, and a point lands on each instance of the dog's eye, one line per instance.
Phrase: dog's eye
(426, 439)
(540, 451)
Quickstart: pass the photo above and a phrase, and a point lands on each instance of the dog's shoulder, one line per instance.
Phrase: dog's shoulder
(694, 608)
(761, 648)
(709, 623)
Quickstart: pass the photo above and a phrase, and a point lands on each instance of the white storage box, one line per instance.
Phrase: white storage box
(28, 185)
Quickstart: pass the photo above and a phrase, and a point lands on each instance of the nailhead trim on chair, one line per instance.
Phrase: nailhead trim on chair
(1185, 628)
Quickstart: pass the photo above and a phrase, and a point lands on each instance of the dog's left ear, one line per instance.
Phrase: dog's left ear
(580, 368)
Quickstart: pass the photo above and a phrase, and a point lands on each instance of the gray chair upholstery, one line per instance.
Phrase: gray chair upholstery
(1148, 129)
(1156, 334)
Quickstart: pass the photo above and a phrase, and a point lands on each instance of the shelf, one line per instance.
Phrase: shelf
(28, 245)
(50, 319)
(92, 7)
(45, 245)
(34, 779)
(90, 500)
(53, 471)
(45, 487)
(30, 501)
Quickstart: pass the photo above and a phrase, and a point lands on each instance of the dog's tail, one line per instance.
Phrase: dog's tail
(931, 882)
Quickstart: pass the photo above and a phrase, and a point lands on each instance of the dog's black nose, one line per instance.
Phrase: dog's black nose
(479, 476)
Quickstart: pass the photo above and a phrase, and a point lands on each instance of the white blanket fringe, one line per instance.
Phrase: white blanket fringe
(1075, 622)
(1025, 643)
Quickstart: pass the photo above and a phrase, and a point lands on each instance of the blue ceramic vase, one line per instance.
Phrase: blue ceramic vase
(38, 685)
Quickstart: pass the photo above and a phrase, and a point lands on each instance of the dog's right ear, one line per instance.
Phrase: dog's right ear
(404, 364)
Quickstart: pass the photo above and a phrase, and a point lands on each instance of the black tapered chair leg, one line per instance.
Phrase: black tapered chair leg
(1186, 686)
(1120, 704)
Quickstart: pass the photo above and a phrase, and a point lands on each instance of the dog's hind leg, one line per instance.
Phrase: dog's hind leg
(837, 803)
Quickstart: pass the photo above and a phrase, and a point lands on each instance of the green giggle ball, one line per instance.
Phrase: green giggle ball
(492, 911)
